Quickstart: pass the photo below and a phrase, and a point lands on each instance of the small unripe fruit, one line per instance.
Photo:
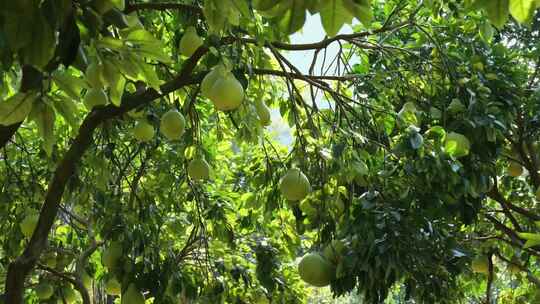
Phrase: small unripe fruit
(218, 72)
(515, 169)
(198, 169)
(294, 185)
(94, 98)
(314, 269)
(480, 265)
(44, 291)
(113, 287)
(132, 296)
(143, 131)
(172, 125)
(190, 42)
(69, 295)
(227, 93)
(111, 255)
(28, 225)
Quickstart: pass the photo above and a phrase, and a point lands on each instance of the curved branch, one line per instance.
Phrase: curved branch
(22, 266)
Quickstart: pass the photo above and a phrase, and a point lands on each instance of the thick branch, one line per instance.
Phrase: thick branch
(495, 195)
(21, 267)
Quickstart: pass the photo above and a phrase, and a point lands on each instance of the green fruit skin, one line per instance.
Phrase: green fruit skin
(132, 296)
(94, 98)
(50, 259)
(515, 169)
(28, 225)
(44, 291)
(172, 125)
(190, 42)
(315, 270)
(198, 169)
(143, 131)
(294, 185)
(263, 112)
(113, 287)
(480, 265)
(111, 255)
(227, 93)
(69, 295)
(210, 79)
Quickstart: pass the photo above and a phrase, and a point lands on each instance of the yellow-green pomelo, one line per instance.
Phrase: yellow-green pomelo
(132, 295)
(94, 98)
(190, 42)
(110, 256)
(69, 295)
(314, 269)
(49, 259)
(28, 225)
(294, 185)
(515, 169)
(44, 290)
(227, 93)
(263, 112)
(143, 131)
(172, 125)
(94, 75)
(113, 287)
(218, 72)
(480, 264)
(86, 279)
(198, 169)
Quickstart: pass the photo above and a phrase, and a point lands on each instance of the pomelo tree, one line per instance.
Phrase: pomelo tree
(137, 161)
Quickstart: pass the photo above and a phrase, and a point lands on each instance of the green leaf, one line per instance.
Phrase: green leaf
(17, 30)
(43, 115)
(361, 9)
(497, 11)
(16, 108)
(66, 107)
(522, 10)
(457, 145)
(334, 15)
(116, 91)
(41, 48)
(70, 84)
(533, 239)
(294, 18)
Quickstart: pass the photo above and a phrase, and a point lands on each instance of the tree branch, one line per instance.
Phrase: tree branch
(22, 266)
(496, 195)
(162, 6)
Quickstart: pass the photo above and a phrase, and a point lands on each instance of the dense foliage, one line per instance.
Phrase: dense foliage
(139, 157)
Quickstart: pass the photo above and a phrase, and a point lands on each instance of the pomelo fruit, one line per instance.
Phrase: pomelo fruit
(113, 287)
(49, 259)
(94, 98)
(218, 72)
(263, 112)
(190, 42)
(198, 169)
(480, 265)
(294, 185)
(86, 279)
(172, 125)
(132, 295)
(227, 93)
(143, 131)
(515, 169)
(110, 256)
(69, 295)
(314, 269)
(28, 225)
(44, 290)
(457, 145)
